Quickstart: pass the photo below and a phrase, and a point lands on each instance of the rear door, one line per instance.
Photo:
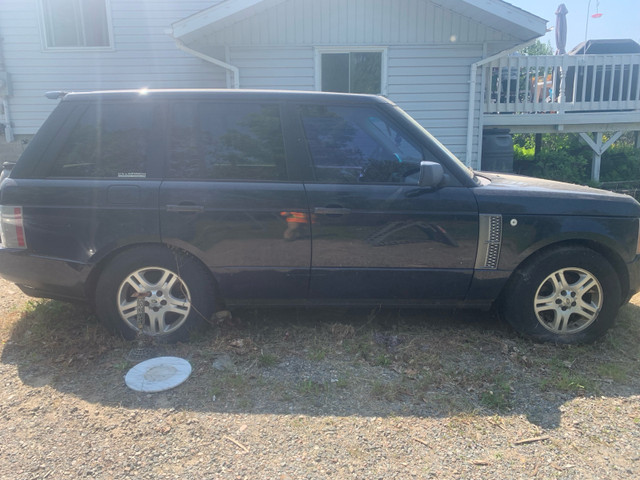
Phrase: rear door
(227, 198)
(376, 235)
(94, 189)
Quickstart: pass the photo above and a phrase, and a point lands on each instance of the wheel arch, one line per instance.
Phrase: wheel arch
(98, 268)
(609, 254)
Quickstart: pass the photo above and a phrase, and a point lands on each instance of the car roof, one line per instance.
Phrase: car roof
(222, 94)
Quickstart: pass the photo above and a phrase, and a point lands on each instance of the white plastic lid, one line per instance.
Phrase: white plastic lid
(158, 374)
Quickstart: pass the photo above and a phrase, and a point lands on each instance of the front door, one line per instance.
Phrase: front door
(377, 236)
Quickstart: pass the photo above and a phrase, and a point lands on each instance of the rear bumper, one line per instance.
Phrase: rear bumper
(44, 276)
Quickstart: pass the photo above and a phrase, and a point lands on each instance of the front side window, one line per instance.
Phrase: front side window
(109, 141)
(226, 141)
(351, 72)
(76, 24)
(359, 145)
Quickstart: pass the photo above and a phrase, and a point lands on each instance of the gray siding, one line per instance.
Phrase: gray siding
(143, 56)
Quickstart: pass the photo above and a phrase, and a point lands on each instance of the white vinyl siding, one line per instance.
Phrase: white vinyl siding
(432, 85)
(143, 55)
(287, 68)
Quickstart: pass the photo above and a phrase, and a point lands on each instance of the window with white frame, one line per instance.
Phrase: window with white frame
(76, 24)
(351, 71)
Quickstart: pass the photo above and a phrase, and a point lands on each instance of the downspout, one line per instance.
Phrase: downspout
(235, 72)
(5, 90)
(472, 92)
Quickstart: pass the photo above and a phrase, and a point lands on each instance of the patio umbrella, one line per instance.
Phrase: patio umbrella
(561, 29)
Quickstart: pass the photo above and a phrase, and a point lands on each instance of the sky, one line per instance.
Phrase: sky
(620, 18)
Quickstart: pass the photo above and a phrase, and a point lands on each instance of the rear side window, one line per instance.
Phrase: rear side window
(109, 141)
(226, 141)
(358, 145)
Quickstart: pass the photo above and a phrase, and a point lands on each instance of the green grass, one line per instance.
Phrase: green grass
(310, 388)
(267, 360)
(498, 396)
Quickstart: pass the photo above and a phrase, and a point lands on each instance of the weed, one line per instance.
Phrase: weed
(122, 365)
(389, 392)
(340, 331)
(309, 388)
(612, 371)
(342, 382)
(498, 397)
(566, 381)
(382, 360)
(317, 354)
(267, 360)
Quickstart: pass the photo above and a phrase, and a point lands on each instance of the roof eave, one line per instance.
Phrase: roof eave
(497, 14)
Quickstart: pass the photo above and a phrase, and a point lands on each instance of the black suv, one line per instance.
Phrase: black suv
(160, 207)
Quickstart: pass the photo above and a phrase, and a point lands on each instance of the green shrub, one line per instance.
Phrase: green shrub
(568, 159)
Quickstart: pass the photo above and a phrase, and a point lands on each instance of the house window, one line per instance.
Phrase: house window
(352, 72)
(76, 23)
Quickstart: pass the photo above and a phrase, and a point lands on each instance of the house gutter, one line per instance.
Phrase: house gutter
(235, 72)
(472, 92)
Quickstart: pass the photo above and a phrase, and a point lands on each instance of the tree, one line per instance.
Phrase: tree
(537, 48)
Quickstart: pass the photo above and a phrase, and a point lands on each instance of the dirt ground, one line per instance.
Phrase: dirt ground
(313, 394)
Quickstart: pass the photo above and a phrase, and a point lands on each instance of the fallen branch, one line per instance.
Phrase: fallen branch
(236, 443)
(531, 440)
(421, 441)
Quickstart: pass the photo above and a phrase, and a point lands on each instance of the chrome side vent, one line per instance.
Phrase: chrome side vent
(489, 242)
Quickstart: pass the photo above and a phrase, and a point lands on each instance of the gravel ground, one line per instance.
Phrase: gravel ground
(320, 394)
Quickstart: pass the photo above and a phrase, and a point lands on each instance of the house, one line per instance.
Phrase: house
(421, 54)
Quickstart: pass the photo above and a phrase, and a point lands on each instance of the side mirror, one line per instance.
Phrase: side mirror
(431, 174)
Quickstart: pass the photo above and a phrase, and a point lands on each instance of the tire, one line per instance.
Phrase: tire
(180, 294)
(564, 295)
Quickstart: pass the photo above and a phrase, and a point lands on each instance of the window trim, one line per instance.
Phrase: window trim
(43, 33)
(318, 51)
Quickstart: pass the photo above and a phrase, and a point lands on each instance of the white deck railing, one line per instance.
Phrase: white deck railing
(563, 83)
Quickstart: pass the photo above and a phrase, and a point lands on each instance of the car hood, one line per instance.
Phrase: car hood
(516, 194)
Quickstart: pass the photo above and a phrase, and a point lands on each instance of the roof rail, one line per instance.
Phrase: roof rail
(54, 95)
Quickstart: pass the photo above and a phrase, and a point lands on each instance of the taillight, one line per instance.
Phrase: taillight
(12, 227)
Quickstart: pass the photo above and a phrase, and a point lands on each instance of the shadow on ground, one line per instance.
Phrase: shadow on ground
(331, 361)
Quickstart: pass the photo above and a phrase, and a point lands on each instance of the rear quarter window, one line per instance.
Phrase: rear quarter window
(108, 141)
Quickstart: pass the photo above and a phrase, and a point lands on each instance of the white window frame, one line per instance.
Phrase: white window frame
(383, 67)
(47, 48)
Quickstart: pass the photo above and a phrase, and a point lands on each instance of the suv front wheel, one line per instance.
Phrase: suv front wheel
(564, 295)
(154, 291)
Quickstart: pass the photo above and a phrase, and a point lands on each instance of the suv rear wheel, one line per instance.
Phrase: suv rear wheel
(565, 295)
(156, 292)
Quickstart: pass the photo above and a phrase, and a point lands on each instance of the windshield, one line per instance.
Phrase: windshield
(467, 170)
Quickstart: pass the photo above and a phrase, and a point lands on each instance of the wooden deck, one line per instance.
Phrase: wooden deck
(566, 93)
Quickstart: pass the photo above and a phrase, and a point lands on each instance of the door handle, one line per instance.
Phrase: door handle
(331, 211)
(185, 208)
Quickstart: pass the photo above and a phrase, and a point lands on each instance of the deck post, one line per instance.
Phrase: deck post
(598, 149)
(597, 157)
